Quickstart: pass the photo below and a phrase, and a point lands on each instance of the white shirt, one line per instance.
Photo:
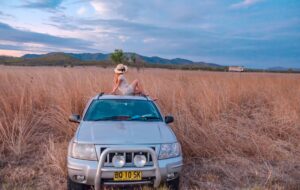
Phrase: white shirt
(124, 87)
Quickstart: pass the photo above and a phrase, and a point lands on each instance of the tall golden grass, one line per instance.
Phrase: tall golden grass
(237, 130)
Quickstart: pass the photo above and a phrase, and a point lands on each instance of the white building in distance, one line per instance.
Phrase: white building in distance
(235, 69)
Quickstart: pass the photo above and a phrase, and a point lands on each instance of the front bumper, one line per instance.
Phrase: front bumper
(96, 174)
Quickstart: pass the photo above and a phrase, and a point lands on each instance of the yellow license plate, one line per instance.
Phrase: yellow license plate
(128, 176)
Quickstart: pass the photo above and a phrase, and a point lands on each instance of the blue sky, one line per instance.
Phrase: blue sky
(252, 33)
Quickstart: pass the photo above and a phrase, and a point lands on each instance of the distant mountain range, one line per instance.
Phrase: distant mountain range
(280, 69)
(103, 57)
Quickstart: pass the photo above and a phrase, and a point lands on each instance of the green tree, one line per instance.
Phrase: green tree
(117, 56)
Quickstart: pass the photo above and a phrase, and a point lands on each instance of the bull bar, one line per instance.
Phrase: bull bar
(101, 168)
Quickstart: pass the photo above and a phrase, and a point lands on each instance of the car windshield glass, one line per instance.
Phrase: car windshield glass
(122, 110)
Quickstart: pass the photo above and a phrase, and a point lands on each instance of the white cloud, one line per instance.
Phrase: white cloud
(100, 7)
(81, 11)
(149, 40)
(244, 3)
(16, 53)
(6, 42)
(123, 38)
(106, 9)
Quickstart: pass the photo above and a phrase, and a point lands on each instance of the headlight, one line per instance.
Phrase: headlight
(169, 150)
(118, 161)
(83, 151)
(139, 160)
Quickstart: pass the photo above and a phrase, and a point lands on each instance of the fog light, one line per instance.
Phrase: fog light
(79, 178)
(118, 161)
(139, 160)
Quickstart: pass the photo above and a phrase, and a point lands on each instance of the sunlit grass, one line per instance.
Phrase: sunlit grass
(237, 130)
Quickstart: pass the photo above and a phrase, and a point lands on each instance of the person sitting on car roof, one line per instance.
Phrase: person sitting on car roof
(122, 85)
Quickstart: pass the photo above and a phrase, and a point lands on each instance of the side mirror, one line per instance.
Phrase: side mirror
(169, 119)
(74, 118)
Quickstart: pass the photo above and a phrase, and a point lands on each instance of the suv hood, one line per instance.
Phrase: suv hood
(124, 132)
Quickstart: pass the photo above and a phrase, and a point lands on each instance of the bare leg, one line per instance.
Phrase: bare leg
(137, 87)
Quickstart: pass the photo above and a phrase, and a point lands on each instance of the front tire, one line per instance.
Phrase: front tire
(76, 186)
(173, 184)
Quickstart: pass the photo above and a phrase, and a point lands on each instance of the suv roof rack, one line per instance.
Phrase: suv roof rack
(145, 96)
(101, 94)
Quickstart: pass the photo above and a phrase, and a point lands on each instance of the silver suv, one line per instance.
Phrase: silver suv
(123, 141)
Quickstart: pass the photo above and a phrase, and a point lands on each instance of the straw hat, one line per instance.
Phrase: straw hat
(120, 69)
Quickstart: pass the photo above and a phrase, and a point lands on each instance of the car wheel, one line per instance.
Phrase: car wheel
(173, 184)
(76, 186)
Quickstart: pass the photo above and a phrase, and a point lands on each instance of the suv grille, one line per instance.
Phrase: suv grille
(128, 157)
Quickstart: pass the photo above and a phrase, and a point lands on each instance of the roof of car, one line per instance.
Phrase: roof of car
(110, 96)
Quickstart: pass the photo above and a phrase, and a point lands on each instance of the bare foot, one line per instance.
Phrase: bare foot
(154, 99)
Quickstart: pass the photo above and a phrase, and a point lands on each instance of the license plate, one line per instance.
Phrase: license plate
(128, 176)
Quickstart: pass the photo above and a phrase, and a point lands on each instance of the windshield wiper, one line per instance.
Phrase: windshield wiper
(151, 117)
(144, 117)
(116, 117)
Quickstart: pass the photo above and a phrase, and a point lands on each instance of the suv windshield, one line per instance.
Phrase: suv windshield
(122, 110)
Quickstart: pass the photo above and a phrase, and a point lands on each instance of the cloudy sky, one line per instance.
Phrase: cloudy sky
(253, 33)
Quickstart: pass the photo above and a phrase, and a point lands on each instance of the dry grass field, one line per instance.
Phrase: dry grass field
(238, 131)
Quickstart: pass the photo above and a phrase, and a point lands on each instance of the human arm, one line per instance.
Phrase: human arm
(116, 86)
